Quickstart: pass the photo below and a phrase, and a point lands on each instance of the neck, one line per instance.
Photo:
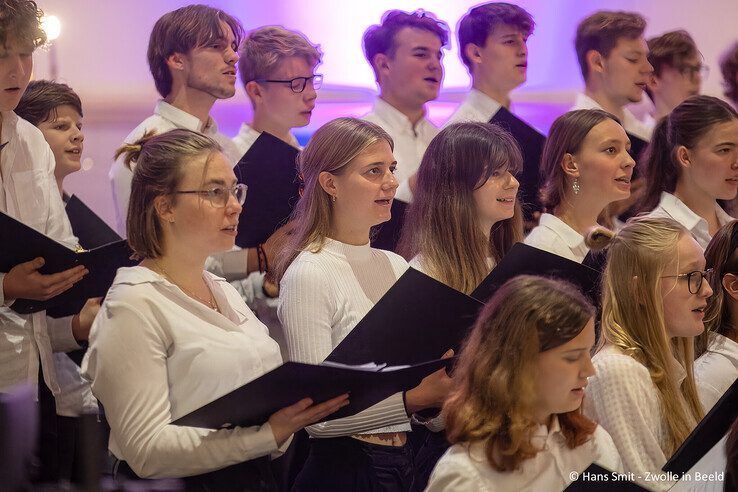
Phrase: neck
(698, 202)
(344, 231)
(661, 108)
(544, 418)
(262, 123)
(607, 102)
(182, 265)
(731, 333)
(413, 112)
(60, 185)
(500, 95)
(196, 103)
(579, 213)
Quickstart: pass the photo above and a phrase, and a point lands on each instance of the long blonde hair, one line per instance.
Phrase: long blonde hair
(330, 149)
(441, 224)
(633, 316)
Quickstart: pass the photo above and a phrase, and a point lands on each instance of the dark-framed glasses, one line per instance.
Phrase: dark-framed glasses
(219, 195)
(694, 279)
(298, 84)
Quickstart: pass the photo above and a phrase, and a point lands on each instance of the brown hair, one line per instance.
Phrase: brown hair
(263, 49)
(526, 316)
(182, 30)
(481, 21)
(633, 316)
(601, 32)
(459, 160)
(330, 149)
(670, 49)
(159, 161)
(685, 126)
(380, 38)
(22, 20)
(42, 97)
(729, 69)
(722, 256)
(565, 137)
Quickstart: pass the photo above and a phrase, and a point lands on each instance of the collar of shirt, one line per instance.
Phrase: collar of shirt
(543, 434)
(9, 125)
(631, 124)
(248, 135)
(571, 237)
(680, 212)
(347, 251)
(183, 119)
(482, 104)
(397, 120)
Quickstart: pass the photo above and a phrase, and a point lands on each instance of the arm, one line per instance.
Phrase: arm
(623, 400)
(306, 310)
(127, 363)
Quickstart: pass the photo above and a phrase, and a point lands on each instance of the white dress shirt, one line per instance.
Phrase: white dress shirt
(556, 236)
(410, 142)
(323, 296)
(631, 124)
(476, 106)
(166, 117)
(465, 467)
(672, 207)
(28, 193)
(156, 355)
(247, 136)
(623, 399)
(716, 369)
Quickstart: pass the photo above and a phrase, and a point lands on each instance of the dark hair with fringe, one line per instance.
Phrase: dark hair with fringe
(41, 99)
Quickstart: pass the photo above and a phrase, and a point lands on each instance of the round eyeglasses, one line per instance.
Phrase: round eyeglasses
(298, 84)
(219, 195)
(694, 279)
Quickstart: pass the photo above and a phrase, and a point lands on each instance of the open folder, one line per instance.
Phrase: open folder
(597, 477)
(527, 260)
(21, 243)
(418, 319)
(711, 429)
(269, 169)
(89, 228)
(254, 402)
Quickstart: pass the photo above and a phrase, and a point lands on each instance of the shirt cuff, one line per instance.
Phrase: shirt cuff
(60, 334)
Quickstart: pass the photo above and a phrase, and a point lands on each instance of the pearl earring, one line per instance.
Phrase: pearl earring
(575, 186)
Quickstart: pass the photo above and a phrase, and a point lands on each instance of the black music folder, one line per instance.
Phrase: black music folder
(708, 432)
(254, 402)
(597, 477)
(21, 243)
(523, 259)
(89, 228)
(269, 169)
(418, 319)
(531, 143)
(387, 235)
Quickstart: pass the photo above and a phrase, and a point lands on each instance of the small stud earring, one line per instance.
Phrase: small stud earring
(334, 198)
(575, 186)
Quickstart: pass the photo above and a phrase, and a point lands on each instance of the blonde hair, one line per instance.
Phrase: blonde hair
(526, 316)
(158, 170)
(633, 316)
(330, 149)
(264, 48)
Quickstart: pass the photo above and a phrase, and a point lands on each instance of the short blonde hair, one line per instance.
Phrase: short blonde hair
(264, 48)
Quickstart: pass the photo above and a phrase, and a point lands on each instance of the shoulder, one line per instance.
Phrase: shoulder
(309, 267)
(548, 239)
(153, 122)
(31, 138)
(618, 372)
(605, 449)
(456, 470)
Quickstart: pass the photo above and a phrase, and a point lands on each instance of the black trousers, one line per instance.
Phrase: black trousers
(249, 476)
(344, 463)
(426, 457)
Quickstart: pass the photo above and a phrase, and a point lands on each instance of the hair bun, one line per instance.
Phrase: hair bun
(132, 151)
(598, 238)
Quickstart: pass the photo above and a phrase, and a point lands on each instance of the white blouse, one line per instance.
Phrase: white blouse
(556, 236)
(323, 296)
(623, 399)
(465, 467)
(716, 369)
(673, 208)
(156, 355)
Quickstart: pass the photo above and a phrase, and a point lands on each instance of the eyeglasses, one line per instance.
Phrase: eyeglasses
(694, 279)
(692, 70)
(298, 84)
(219, 195)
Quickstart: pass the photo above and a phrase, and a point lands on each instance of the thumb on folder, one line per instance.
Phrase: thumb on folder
(432, 390)
(291, 419)
(24, 281)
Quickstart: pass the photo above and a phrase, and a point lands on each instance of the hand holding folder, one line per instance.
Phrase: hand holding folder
(21, 244)
(255, 402)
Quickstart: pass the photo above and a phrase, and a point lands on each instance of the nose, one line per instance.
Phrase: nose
(390, 181)
(524, 48)
(78, 136)
(628, 160)
(588, 370)
(647, 67)
(512, 182)
(16, 66)
(232, 205)
(706, 289)
(231, 56)
(309, 94)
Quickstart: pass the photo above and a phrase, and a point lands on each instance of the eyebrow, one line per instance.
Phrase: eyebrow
(380, 163)
(219, 181)
(729, 144)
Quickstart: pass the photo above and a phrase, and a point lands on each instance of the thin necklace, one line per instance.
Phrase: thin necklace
(212, 304)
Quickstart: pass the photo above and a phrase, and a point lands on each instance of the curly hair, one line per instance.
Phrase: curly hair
(21, 19)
